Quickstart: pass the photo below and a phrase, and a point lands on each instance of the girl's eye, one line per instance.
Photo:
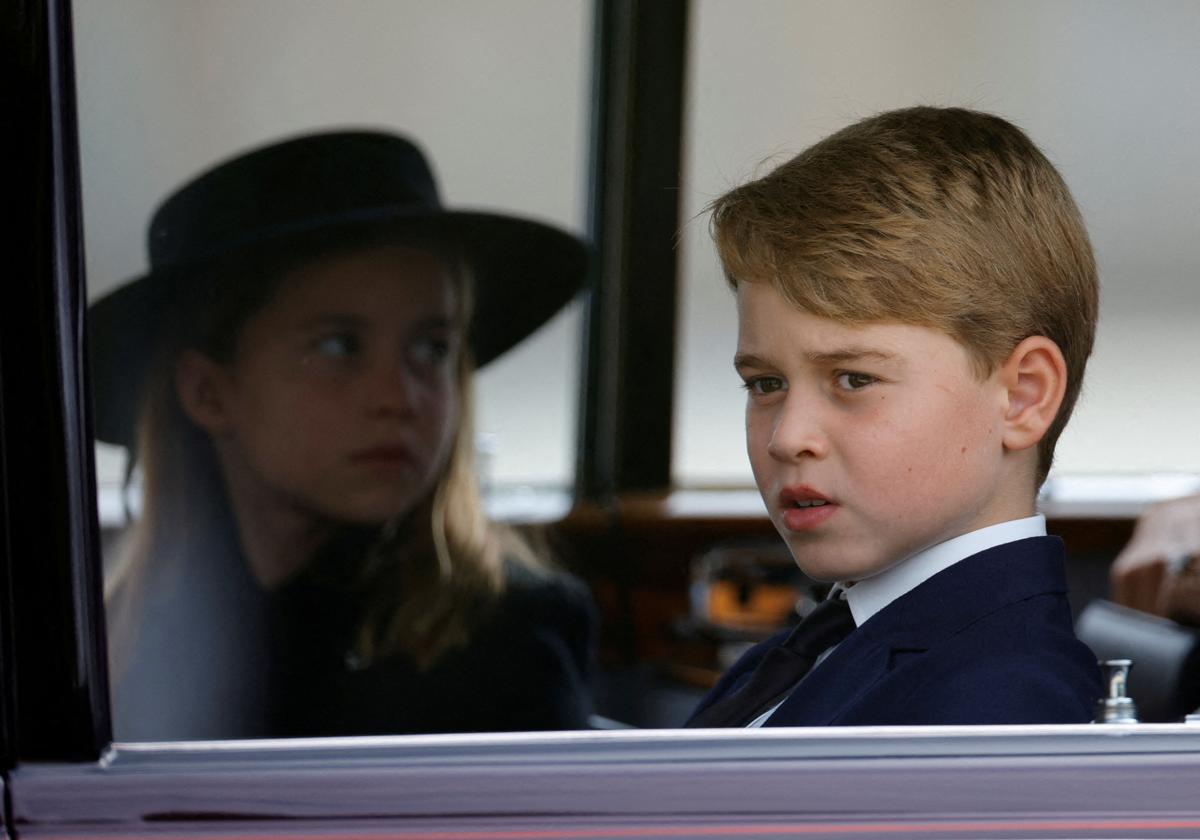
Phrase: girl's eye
(851, 381)
(342, 345)
(763, 385)
(432, 350)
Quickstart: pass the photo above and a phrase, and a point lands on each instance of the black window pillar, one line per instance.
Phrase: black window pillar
(54, 683)
(625, 441)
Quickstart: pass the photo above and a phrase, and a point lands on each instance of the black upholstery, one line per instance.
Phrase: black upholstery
(1165, 679)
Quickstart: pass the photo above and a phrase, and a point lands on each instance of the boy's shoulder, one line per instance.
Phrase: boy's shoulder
(962, 598)
(988, 640)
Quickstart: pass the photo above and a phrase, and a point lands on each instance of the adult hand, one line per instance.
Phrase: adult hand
(1166, 536)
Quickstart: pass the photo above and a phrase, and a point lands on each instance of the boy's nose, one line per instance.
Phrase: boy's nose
(798, 432)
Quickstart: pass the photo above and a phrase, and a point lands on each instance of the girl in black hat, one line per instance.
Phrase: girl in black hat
(312, 556)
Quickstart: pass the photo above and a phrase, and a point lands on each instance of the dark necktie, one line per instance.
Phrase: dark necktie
(782, 668)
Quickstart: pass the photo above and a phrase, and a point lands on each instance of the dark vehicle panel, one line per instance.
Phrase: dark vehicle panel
(58, 705)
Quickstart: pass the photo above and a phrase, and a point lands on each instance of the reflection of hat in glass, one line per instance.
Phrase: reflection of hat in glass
(523, 271)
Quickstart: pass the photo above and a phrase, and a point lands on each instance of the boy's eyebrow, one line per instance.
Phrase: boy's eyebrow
(748, 360)
(851, 354)
(842, 356)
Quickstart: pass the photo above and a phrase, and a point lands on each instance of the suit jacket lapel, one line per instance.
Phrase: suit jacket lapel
(852, 669)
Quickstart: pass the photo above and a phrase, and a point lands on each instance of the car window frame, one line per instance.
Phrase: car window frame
(54, 705)
(60, 765)
(56, 682)
(57, 690)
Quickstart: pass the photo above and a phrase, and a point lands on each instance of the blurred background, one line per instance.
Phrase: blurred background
(500, 96)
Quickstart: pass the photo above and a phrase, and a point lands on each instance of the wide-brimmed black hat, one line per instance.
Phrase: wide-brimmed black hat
(321, 184)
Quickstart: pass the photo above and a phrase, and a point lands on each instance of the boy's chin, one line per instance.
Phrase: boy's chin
(834, 569)
(819, 572)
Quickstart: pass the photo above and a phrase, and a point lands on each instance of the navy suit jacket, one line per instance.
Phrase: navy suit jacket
(987, 641)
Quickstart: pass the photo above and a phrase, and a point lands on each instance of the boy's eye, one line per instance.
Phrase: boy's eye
(764, 384)
(851, 381)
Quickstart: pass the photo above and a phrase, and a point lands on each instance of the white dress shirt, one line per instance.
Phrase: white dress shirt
(870, 595)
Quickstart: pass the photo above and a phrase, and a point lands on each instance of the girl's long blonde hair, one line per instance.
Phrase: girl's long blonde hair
(431, 571)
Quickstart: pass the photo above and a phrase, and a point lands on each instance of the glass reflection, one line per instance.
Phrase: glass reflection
(312, 557)
(308, 552)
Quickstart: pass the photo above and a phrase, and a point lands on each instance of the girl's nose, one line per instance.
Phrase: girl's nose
(391, 389)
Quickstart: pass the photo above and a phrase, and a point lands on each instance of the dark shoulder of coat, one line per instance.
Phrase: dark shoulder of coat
(527, 666)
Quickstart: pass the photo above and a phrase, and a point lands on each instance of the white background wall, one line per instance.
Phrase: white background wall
(1109, 90)
(498, 93)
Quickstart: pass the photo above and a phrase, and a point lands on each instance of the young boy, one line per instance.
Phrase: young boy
(917, 300)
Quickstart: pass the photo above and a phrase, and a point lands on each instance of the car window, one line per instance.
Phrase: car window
(495, 99)
(498, 102)
(61, 771)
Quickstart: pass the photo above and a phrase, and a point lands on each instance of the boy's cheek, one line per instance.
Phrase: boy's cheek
(760, 460)
(758, 439)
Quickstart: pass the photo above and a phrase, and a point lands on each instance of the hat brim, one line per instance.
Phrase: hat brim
(524, 272)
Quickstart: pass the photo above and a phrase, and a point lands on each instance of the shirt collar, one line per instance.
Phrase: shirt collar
(870, 595)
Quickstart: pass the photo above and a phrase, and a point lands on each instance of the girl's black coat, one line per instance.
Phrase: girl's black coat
(216, 657)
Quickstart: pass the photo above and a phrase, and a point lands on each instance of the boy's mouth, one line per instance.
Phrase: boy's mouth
(803, 496)
(803, 508)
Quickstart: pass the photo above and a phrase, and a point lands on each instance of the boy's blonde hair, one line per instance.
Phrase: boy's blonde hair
(938, 217)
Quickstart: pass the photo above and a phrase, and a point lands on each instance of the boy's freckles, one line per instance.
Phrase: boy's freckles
(870, 442)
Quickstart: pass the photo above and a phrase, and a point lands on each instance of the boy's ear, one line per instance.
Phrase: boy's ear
(201, 386)
(1035, 379)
